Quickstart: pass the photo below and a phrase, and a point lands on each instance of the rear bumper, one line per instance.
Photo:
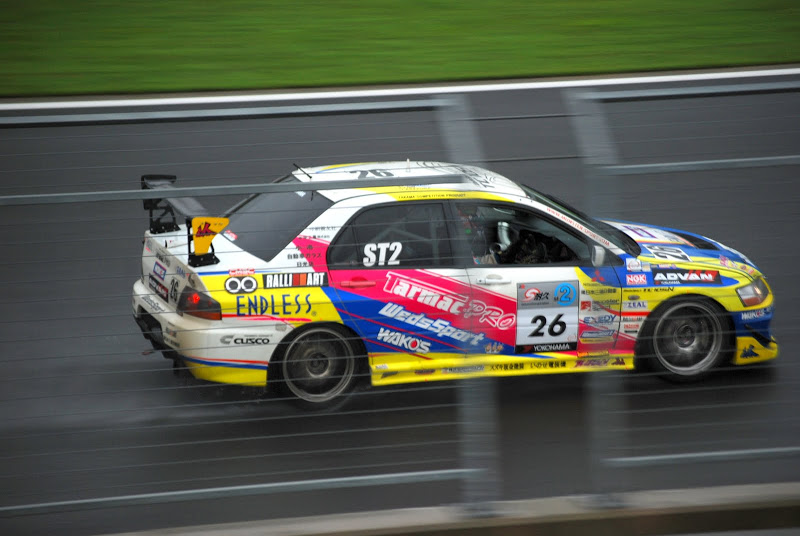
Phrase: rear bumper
(220, 352)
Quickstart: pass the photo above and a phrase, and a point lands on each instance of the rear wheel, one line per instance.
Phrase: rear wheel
(319, 366)
(687, 338)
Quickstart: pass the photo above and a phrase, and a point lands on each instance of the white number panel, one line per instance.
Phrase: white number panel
(547, 316)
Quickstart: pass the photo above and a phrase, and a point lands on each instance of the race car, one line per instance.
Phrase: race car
(313, 290)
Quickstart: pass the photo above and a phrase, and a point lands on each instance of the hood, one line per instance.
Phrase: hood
(663, 245)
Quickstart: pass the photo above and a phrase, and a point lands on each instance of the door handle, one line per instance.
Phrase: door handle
(357, 284)
(492, 279)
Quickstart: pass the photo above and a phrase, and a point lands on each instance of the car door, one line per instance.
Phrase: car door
(400, 288)
(535, 290)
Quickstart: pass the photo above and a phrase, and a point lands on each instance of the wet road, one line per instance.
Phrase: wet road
(86, 412)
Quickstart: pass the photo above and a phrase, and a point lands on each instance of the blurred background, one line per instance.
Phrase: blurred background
(51, 47)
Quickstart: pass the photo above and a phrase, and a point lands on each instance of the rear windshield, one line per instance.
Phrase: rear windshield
(264, 224)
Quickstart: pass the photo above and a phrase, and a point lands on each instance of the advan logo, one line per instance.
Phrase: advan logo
(406, 342)
(691, 277)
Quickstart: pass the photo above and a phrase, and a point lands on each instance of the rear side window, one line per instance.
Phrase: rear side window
(403, 234)
(264, 224)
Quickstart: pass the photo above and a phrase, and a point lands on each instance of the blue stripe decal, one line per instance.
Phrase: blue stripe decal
(229, 365)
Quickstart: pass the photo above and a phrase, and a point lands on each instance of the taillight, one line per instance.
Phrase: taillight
(199, 304)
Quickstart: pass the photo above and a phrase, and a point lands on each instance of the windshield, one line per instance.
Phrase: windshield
(612, 234)
(264, 224)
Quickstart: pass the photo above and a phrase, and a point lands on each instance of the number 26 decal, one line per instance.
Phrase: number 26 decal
(381, 249)
(554, 329)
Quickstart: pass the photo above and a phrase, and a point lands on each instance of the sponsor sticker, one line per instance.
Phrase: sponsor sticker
(756, 315)
(249, 340)
(158, 288)
(445, 300)
(597, 334)
(154, 305)
(508, 366)
(634, 306)
(636, 279)
(547, 364)
(160, 271)
(633, 265)
(669, 253)
(748, 352)
(591, 362)
(301, 279)
(493, 348)
(404, 341)
(535, 295)
(278, 305)
(604, 319)
(163, 258)
(553, 347)
(677, 276)
(241, 285)
(463, 370)
(440, 327)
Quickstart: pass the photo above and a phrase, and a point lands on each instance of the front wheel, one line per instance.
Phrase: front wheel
(687, 338)
(318, 366)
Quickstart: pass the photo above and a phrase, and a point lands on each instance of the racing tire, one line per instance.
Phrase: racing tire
(686, 338)
(319, 367)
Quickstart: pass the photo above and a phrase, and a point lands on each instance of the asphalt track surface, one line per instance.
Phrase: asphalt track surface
(86, 412)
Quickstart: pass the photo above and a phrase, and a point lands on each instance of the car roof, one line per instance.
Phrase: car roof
(476, 179)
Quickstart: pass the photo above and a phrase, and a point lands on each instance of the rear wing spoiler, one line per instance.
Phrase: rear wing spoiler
(200, 228)
(162, 211)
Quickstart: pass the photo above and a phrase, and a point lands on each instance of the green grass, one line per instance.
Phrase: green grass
(50, 47)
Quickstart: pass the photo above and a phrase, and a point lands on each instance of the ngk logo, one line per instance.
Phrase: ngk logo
(401, 340)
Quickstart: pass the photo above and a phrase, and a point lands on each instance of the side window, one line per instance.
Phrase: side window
(503, 235)
(403, 234)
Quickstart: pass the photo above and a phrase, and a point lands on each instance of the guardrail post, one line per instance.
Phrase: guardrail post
(603, 400)
(477, 404)
(477, 409)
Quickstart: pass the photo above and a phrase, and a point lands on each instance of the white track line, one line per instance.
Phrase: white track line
(395, 92)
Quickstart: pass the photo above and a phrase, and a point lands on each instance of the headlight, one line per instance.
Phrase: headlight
(754, 293)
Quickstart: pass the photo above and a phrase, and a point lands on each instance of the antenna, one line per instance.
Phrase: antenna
(303, 170)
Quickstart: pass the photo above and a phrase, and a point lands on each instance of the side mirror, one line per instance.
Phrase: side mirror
(598, 256)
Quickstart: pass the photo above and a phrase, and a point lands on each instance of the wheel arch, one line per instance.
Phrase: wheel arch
(650, 322)
(362, 361)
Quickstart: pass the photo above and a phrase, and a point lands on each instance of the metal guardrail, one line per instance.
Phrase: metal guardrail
(472, 457)
(474, 418)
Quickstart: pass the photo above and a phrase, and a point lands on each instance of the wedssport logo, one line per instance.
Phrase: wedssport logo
(441, 327)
